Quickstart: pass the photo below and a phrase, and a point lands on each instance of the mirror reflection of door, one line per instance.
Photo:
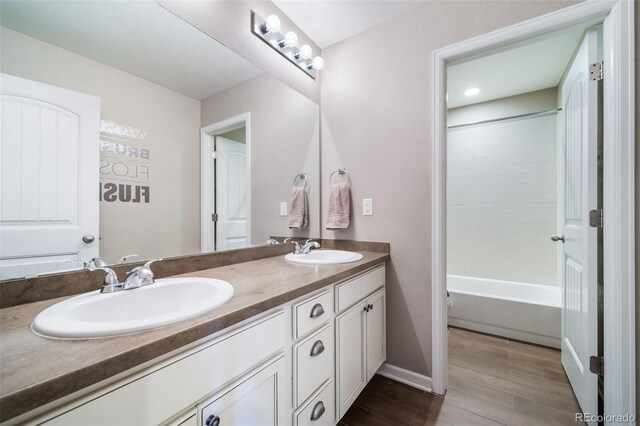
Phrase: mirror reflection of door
(230, 190)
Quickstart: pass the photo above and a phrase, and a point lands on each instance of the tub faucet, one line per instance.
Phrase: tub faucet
(140, 276)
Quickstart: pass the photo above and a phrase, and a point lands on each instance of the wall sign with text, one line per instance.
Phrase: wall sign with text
(125, 163)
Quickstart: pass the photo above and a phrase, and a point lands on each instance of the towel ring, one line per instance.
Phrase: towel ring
(341, 172)
(300, 177)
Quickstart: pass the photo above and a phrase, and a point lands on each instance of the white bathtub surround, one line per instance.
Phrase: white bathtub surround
(528, 312)
(501, 207)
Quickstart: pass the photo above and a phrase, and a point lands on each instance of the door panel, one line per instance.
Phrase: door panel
(231, 194)
(352, 374)
(579, 308)
(252, 402)
(376, 338)
(49, 161)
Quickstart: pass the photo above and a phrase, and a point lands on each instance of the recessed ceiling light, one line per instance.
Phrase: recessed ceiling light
(472, 91)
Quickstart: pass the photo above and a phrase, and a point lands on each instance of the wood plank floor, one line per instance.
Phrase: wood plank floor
(492, 381)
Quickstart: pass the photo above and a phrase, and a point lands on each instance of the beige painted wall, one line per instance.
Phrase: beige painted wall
(229, 23)
(173, 122)
(526, 103)
(285, 140)
(376, 106)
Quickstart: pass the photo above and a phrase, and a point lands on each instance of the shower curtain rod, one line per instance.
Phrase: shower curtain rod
(531, 114)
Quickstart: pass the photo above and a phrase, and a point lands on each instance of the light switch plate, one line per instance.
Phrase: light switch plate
(367, 206)
(283, 208)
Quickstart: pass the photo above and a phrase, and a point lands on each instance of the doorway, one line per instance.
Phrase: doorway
(226, 185)
(618, 318)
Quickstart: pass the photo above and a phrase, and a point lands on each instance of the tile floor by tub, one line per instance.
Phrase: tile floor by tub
(492, 381)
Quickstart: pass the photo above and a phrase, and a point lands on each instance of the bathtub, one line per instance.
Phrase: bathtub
(528, 312)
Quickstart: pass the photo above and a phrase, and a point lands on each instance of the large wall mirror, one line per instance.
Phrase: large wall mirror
(127, 131)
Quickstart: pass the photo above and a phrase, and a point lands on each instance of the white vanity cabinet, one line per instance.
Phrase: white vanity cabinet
(301, 364)
(360, 335)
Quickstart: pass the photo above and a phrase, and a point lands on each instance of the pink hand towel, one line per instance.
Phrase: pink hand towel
(298, 209)
(339, 212)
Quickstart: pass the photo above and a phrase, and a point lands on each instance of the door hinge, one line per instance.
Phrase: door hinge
(595, 218)
(596, 365)
(596, 71)
(214, 217)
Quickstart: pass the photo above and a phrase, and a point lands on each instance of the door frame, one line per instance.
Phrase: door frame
(619, 157)
(207, 135)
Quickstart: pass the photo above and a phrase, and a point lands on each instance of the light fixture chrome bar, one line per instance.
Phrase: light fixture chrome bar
(275, 39)
(513, 117)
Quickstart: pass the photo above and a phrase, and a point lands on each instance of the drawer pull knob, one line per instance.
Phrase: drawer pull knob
(212, 420)
(316, 311)
(317, 348)
(317, 411)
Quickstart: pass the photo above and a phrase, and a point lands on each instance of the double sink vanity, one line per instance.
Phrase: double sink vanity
(283, 339)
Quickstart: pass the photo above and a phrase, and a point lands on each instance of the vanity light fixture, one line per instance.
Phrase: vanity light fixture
(471, 91)
(270, 31)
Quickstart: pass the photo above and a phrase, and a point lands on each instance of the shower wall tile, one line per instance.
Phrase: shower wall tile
(502, 201)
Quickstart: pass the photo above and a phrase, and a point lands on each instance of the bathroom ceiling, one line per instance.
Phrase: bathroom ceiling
(330, 21)
(535, 65)
(138, 37)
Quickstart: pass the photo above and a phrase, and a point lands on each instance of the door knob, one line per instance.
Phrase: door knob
(88, 239)
(557, 238)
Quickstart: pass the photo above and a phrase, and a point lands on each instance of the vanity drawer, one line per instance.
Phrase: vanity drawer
(312, 313)
(319, 411)
(352, 291)
(312, 363)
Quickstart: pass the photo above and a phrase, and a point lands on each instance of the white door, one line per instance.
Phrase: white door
(231, 194)
(253, 402)
(579, 303)
(49, 159)
(352, 372)
(376, 336)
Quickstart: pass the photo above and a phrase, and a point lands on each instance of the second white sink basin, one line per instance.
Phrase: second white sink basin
(324, 257)
(96, 314)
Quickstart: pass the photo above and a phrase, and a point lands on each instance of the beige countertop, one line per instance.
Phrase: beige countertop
(35, 370)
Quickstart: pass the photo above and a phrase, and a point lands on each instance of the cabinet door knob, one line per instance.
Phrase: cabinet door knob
(317, 348)
(370, 307)
(318, 411)
(316, 311)
(366, 308)
(212, 420)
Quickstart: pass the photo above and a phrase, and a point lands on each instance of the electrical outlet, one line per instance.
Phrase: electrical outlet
(283, 208)
(367, 206)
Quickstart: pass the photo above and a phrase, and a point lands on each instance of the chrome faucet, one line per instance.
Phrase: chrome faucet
(139, 276)
(303, 249)
(306, 248)
(111, 283)
(96, 262)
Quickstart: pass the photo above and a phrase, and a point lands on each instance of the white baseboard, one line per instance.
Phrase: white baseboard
(538, 339)
(407, 377)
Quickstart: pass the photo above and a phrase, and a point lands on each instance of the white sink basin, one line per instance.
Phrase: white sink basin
(324, 257)
(96, 314)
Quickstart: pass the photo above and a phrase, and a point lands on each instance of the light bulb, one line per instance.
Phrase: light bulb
(472, 91)
(305, 51)
(290, 39)
(318, 63)
(273, 24)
